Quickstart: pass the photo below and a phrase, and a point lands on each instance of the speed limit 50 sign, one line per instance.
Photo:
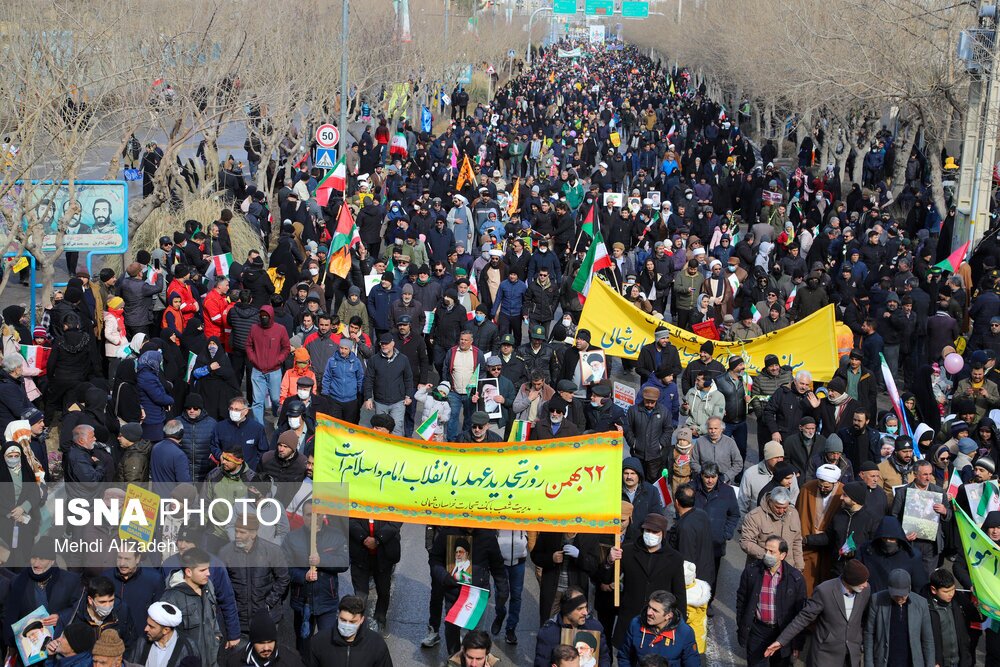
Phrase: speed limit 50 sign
(327, 135)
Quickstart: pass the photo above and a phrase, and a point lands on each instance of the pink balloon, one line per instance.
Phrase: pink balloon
(953, 363)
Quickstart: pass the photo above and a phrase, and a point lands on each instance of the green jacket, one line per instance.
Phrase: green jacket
(687, 288)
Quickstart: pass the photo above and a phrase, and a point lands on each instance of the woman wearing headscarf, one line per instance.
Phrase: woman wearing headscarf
(20, 500)
(115, 340)
(154, 394)
(32, 449)
(214, 379)
(124, 393)
(175, 363)
(923, 392)
(193, 337)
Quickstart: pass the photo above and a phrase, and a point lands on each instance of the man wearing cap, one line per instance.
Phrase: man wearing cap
(196, 439)
(877, 500)
(769, 596)
(852, 526)
(601, 413)
(703, 364)
(531, 397)
(504, 397)
(508, 306)
(837, 608)
(980, 389)
(658, 354)
(161, 645)
(648, 429)
(343, 382)
(898, 630)
(388, 383)
(923, 477)
(257, 569)
(479, 430)
(686, 288)
(800, 447)
(648, 564)
(72, 648)
(734, 390)
(817, 504)
(860, 384)
(836, 412)
(574, 614)
(554, 422)
(133, 463)
(897, 470)
(538, 355)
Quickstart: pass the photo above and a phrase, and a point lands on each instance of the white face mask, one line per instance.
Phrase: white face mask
(347, 629)
(103, 612)
(313, 271)
(567, 321)
(651, 539)
(294, 422)
(304, 394)
(236, 415)
(13, 462)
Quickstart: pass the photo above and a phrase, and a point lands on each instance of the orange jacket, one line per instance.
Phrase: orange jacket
(289, 382)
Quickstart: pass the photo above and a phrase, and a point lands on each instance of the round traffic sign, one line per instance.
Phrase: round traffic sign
(327, 135)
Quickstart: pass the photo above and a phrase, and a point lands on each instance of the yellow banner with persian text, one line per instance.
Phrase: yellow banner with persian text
(570, 485)
(621, 329)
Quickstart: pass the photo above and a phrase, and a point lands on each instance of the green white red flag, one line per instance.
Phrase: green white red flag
(335, 179)
(469, 607)
(597, 258)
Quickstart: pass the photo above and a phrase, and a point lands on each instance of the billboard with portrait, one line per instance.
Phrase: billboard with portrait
(101, 224)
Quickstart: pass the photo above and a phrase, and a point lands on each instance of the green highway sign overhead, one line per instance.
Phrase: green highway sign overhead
(635, 9)
(599, 7)
(564, 7)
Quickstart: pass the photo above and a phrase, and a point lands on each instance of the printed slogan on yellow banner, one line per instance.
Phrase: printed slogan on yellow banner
(621, 329)
(571, 485)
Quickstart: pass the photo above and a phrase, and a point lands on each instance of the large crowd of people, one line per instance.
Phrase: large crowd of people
(175, 373)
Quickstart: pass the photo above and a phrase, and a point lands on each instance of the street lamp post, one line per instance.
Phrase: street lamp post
(342, 122)
(531, 21)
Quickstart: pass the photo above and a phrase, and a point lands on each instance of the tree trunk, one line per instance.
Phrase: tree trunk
(937, 187)
(908, 132)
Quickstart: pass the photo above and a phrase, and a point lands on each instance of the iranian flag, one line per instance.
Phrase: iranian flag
(791, 297)
(953, 261)
(429, 427)
(344, 238)
(473, 379)
(848, 546)
(397, 148)
(588, 223)
(597, 258)
(152, 275)
(221, 263)
(520, 431)
(469, 607)
(335, 179)
(672, 131)
(755, 313)
(955, 484)
(36, 356)
(897, 405)
(988, 502)
(192, 360)
(663, 488)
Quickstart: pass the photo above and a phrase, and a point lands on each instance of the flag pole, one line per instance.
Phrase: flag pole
(618, 575)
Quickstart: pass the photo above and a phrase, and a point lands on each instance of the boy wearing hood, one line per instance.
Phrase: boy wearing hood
(889, 550)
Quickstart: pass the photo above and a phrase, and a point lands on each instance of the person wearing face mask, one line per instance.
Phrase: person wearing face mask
(20, 500)
(485, 334)
(601, 413)
(887, 550)
(214, 379)
(240, 431)
(770, 594)
(351, 642)
(100, 609)
(544, 259)
(648, 564)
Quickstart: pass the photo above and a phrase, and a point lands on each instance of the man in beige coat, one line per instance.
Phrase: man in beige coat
(776, 516)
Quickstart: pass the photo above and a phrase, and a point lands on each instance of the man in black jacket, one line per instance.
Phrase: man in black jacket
(350, 642)
(374, 551)
(731, 386)
(769, 597)
(692, 534)
(661, 352)
(787, 406)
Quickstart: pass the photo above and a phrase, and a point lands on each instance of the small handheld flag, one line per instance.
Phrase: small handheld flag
(429, 427)
(469, 607)
(848, 546)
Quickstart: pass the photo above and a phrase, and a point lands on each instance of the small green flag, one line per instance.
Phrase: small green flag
(192, 360)
(474, 380)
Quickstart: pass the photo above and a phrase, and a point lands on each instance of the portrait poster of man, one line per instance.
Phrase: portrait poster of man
(489, 390)
(586, 642)
(459, 558)
(593, 367)
(100, 223)
(918, 514)
(32, 637)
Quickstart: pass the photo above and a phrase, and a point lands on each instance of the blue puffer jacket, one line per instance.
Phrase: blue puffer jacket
(510, 298)
(249, 434)
(197, 444)
(344, 378)
(153, 395)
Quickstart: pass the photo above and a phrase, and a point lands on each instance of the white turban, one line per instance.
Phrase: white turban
(828, 473)
(165, 614)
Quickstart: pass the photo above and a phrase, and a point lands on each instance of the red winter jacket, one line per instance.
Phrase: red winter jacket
(267, 347)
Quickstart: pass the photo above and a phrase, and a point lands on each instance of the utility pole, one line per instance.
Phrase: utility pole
(979, 49)
(447, 8)
(342, 122)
